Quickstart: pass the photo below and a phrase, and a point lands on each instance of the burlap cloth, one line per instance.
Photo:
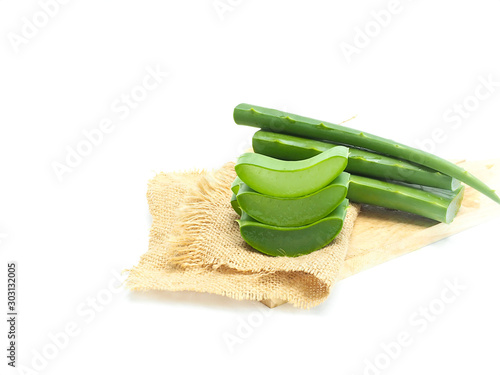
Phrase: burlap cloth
(195, 245)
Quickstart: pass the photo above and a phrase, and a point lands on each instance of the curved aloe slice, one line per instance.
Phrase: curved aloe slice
(235, 205)
(361, 162)
(293, 212)
(281, 178)
(292, 241)
(282, 122)
(236, 185)
(437, 204)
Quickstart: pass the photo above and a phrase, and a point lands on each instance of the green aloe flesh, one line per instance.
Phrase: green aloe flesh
(236, 185)
(293, 212)
(437, 204)
(360, 162)
(282, 122)
(282, 178)
(235, 205)
(292, 241)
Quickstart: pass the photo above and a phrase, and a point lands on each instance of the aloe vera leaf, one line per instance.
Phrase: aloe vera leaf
(283, 122)
(292, 241)
(361, 162)
(438, 204)
(235, 205)
(282, 178)
(293, 212)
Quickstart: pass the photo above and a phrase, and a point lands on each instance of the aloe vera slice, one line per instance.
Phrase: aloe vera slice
(281, 178)
(293, 212)
(236, 185)
(292, 241)
(361, 162)
(235, 205)
(437, 204)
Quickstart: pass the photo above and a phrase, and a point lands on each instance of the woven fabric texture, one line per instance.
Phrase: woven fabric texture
(195, 245)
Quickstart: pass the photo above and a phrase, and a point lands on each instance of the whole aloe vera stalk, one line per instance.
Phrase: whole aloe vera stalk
(283, 122)
(437, 204)
(360, 162)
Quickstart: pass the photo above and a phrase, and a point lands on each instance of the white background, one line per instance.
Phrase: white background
(69, 236)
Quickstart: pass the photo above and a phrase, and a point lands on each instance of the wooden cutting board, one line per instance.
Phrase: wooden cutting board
(380, 235)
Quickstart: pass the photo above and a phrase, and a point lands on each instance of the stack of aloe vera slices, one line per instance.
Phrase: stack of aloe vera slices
(382, 172)
(291, 208)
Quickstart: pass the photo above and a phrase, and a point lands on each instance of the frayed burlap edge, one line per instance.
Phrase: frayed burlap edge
(156, 271)
(189, 242)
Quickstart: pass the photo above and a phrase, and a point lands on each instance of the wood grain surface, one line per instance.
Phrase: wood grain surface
(380, 235)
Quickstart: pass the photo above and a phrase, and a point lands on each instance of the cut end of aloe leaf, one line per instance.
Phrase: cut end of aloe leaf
(455, 184)
(454, 206)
